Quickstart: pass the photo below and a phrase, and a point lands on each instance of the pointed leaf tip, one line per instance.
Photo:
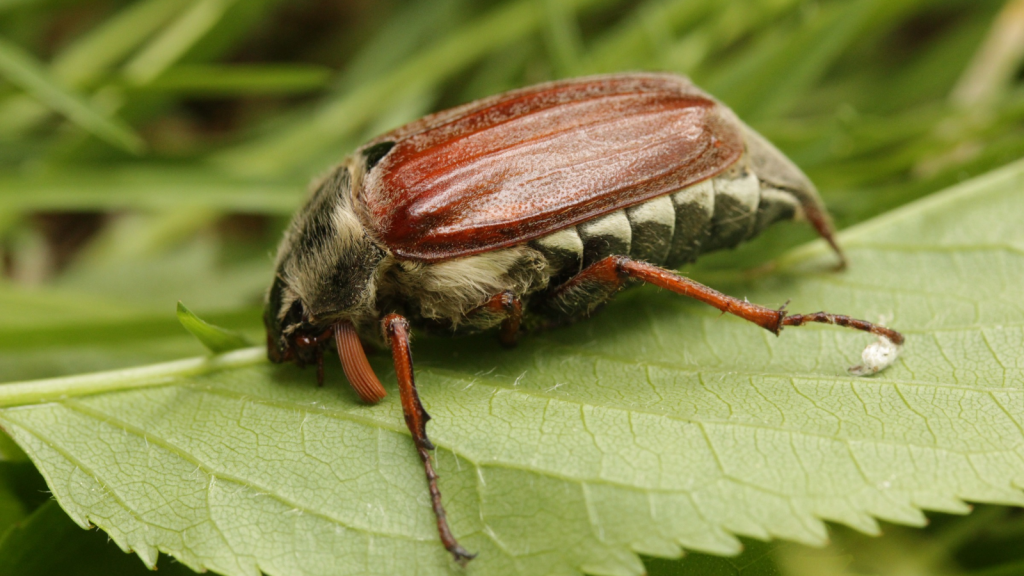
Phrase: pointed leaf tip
(218, 340)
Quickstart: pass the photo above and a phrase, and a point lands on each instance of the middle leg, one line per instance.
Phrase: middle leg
(507, 306)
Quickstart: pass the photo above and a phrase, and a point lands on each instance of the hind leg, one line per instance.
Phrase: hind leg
(601, 280)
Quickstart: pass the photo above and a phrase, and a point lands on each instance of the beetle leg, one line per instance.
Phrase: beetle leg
(604, 278)
(585, 292)
(507, 305)
(396, 328)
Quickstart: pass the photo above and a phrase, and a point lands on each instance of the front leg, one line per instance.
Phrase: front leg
(396, 329)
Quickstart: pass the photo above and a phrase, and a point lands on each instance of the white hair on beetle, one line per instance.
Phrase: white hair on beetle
(305, 272)
(450, 289)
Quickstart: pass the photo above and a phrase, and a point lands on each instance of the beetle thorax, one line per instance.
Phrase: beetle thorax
(449, 290)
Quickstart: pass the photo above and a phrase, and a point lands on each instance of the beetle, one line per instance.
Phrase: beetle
(526, 210)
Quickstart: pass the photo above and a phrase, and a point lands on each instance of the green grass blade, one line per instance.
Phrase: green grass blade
(9, 4)
(400, 39)
(113, 330)
(23, 70)
(782, 66)
(181, 35)
(147, 187)
(218, 340)
(212, 80)
(36, 391)
(563, 36)
(87, 58)
(645, 34)
(336, 120)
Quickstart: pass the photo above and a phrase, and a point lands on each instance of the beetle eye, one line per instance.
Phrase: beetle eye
(294, 315)
(376, 153)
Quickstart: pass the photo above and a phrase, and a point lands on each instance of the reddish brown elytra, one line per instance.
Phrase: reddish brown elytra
(524, 210)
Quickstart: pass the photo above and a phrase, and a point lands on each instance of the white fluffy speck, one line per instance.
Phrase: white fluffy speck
(876, 357)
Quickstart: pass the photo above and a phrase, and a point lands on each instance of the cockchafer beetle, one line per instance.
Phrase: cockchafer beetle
(524, 210)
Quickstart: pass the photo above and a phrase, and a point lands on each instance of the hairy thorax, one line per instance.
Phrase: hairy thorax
(446, 294)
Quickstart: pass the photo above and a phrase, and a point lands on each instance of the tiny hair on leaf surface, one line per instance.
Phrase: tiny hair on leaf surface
(655, 427)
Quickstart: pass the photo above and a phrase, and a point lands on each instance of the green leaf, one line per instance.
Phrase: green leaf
(215, 338)
(22, 69)
(12, 508)
(9, 451)
(658, 424)
(50, 543)
(22, 488)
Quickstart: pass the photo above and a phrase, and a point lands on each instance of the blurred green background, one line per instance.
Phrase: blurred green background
(152, 151)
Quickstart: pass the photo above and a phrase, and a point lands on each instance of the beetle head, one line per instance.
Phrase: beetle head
(325, 274)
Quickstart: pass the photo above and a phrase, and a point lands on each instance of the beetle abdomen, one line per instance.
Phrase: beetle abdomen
(673, 229)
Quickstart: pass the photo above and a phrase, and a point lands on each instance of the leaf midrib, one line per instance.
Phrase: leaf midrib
(397, 428)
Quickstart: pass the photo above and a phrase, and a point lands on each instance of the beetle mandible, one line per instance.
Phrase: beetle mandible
(524, 210)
